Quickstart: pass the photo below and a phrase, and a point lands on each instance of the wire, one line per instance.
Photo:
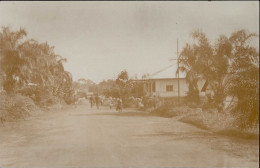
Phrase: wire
(162, 69)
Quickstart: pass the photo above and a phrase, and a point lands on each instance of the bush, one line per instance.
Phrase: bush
(207, 106)
(193, 93)
(194, 105)
(206, 119)
(69, 100)
(169, 110)
(128, 103)
(43, 101)
(246, 112)
(238, 134)
(16, 106)
(195, 120)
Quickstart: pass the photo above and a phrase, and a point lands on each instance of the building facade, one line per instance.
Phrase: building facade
(168, 87)
(164, 84)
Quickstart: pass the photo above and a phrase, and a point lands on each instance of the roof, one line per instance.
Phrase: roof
(168, 72)
(204, 88)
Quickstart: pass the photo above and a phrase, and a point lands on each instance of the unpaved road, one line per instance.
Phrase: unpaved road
(85, 137)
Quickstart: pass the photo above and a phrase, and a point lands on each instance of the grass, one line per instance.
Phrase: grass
(211, 119)
(195, 121)
(169, 111)
(238, 134)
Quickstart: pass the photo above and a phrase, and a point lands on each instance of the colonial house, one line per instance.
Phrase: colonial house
(164, 83)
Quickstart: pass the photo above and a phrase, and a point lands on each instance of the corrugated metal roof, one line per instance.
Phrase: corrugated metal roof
(167, 72)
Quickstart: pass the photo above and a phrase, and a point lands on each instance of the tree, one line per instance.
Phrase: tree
(195, 61)
(122, 79)
(11, 59)
(137, 89)
(26, 61)
(211, 63)
(124, 84)
(231, 67)
(244, 81)
(218, 74)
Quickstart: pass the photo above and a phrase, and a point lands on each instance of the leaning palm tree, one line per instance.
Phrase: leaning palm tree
(195, 61)
(10, 57)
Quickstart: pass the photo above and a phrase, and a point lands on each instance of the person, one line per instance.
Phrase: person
(97, 101)
(75, 102)
(119, 105)
(101, 100)
(110, 102)
(91, 101)
(154, 102)
(145, 102)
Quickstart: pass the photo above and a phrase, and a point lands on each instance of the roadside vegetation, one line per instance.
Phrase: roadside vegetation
(231, 69)
(209, 119)
(32, 75)
(122, 87)
(33, 78)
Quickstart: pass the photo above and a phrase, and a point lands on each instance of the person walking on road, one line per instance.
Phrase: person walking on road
(97, 101)
(91, 99)
(110, 102)
(119, 105)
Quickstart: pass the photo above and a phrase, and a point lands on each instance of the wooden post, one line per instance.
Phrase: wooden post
(178, 74)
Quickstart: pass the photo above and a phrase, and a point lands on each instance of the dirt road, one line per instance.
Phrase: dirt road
(85, 137)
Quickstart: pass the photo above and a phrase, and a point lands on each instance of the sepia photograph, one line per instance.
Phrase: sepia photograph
(129, 84)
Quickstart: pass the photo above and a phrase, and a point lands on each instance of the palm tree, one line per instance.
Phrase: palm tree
(25, 61)
(218, 74)
(10, 57)
(201, 60)
(195, 61)
(244, 83)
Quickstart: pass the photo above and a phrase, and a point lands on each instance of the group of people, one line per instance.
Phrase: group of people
(115, 102)
(144, 102)
(97, 100)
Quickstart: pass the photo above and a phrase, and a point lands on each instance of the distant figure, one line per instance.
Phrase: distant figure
(145, 102)
(119, 105)
(91, 99)
(101, 100)
(110, 103)
(154, 102)
(76, 102)
(97, 101)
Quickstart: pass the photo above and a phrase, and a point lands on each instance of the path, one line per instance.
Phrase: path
(85, 137)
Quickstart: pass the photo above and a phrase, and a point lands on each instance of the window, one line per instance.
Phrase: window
(169, 88)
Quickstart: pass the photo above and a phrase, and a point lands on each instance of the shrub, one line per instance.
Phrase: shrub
(128, 103)
(164, 111)
(16, 106)
(238, 134)
(69, 100)
(195, 120)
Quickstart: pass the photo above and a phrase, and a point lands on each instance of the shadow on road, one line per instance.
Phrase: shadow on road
(180, 135)
(122, 114)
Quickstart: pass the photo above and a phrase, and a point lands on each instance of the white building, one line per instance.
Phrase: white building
(164, 84)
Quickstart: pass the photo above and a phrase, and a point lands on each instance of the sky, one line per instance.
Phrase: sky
(100, 39)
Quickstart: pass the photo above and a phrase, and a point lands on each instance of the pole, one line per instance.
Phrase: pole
(178, 74)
